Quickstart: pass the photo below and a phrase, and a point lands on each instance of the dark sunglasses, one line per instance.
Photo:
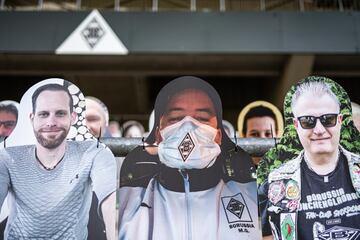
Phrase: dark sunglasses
(327, 120)
(8, 124)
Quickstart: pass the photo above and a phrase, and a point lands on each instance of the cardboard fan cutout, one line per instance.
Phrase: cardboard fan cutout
(49, 172)
(23, 133)
(264, 104)
(188, 173)
(9, 111)
(289, 145)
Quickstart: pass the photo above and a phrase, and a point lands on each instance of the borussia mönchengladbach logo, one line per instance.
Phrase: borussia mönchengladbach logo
(236, 209)
(186, 146)
(93, 32)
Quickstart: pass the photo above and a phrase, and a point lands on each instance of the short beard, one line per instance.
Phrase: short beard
(51, 143)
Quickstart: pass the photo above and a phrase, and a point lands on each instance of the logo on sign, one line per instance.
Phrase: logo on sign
(93, 32)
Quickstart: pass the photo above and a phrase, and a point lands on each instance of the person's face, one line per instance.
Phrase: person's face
(114, 129)
(95, 118)
(133, 131)
(193, 103)
(52, 118)
(7, 123)
(260, 127)
(318, 140)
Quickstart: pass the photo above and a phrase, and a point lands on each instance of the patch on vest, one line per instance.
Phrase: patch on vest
(276, 191)
(356, 168)
(186, 146)
(292, 190)
(293, 205)
(287, 226)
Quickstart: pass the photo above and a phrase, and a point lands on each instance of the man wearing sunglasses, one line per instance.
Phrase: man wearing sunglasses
(315, 195)
(8, 118)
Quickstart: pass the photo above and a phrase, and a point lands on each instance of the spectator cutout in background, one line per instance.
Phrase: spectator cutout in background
(132, 129)
(189, 180)
(260, 119)
(8, 118)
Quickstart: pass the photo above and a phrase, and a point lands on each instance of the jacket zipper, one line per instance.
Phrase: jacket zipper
(185, 176)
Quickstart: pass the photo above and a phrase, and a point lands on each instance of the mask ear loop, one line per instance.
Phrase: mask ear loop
(236, 145)
(147, 145)
(272, 136)
(121, 122)
(98, 139)
(228, 166)
(5, 141)
(143, 143)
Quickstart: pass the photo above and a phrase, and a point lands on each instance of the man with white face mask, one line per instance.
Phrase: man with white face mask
(191, 182)
(193, 142)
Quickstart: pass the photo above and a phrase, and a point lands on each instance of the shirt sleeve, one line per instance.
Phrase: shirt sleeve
(4, 177)
(103, 174)
(263, 205)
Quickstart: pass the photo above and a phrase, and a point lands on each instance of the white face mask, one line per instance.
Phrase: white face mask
(188, 144)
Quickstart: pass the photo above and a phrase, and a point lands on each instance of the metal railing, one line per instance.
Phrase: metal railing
(184, 5)
(120, 147)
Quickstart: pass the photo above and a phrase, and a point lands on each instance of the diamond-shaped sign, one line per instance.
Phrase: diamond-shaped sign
(186, 146)
(93, 32)
(235, 207)
(92, 36)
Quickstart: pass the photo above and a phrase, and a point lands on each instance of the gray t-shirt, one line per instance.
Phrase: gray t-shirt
(54, 204)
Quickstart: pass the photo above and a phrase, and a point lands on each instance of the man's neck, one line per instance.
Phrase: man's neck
(50, 157)
(322, 164)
